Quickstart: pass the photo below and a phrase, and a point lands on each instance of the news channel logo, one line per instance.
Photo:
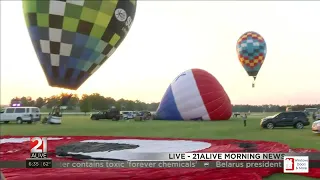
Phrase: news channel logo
(296, 164)
(38, 147)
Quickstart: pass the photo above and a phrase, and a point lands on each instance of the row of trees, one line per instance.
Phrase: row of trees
(87, 103)
(96, 101)
(271, 108)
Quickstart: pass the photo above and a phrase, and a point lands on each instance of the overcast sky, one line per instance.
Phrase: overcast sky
(170, 37)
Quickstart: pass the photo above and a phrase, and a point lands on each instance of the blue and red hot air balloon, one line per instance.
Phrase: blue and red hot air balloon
(195, 95)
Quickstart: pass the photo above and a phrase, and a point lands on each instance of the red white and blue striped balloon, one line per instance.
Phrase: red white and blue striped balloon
(195, 95)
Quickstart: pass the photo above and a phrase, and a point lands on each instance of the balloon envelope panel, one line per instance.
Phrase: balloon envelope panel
(73, 38)
(195, 95)
(252, 50)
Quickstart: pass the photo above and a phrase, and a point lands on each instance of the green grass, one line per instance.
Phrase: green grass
(232, 129)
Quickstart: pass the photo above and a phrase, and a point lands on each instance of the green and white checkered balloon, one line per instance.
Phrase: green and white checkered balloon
(73, 38)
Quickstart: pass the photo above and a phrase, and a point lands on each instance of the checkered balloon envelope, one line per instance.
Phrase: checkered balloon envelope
(73, 38)
(252, 50)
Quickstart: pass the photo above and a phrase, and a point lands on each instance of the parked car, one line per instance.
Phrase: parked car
(296, 119)
(113, 114)
(127, 115)
(20, 114)
(143, 115)
(316, 127)
(236, 114)
(310, 111)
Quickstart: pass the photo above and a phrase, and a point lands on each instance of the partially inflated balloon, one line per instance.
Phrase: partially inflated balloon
(73, 38)
(195, 95)
(252, 50)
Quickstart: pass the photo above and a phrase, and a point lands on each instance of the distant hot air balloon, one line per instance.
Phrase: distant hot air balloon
(252, 50)
(195, 95)
(73, 38)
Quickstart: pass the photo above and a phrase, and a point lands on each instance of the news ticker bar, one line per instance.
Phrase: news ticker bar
(200, 156)
(146, 164)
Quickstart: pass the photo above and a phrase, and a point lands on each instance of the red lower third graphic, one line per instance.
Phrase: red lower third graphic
(17, 148)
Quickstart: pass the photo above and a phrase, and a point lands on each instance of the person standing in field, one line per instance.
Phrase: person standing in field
(244, 118)
(314, 116)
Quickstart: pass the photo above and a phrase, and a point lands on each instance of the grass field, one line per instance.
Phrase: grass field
(232, 129)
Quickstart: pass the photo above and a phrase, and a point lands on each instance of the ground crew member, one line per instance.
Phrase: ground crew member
(244, 117)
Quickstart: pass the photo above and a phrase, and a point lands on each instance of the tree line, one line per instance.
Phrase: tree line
(87, 103)
(95, 101)
(271, 107)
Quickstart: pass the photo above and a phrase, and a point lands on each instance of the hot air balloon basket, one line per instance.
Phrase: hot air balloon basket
(52, 120)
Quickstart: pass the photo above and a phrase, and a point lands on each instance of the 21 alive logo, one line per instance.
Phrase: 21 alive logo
(38, 147)
(295, 164)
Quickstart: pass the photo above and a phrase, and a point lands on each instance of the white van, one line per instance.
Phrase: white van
(20, 114)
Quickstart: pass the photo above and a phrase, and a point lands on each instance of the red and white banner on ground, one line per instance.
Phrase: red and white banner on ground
(14, 148)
